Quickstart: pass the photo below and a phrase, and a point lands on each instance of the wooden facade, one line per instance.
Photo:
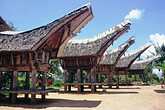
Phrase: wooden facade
(3, 25)
(31, 51)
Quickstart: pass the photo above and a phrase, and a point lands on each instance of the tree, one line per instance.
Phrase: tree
(12, 27)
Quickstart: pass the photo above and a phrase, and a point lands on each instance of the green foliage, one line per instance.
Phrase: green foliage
(57, 83)
(5, 80)
(56, 68)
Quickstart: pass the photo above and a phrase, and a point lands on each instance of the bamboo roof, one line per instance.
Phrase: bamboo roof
(141, 65)
(25, 41)
(91, 46)
(111, 57)
(127, 60)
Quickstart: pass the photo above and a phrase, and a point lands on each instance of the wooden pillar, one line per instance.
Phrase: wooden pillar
(135, 77)
(78, 75)
(70, 79)
(15, 82)
(117, 78)
(65, 80)
(89, 76)
(65, 75)
(93, 79)
(109, 80)
(33, 86)
(79, 80)
(44, 79)
(93, 75)
(0, 79)
(142, 77)
(27, 85)
(33, 80)
(126, 79)
(99, 78)
(33, 98)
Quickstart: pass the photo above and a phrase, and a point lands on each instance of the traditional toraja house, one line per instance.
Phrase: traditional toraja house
(127, 60)
(31, 51)
(85, 54)
(138, 67)
(110, 58)
(3, 25)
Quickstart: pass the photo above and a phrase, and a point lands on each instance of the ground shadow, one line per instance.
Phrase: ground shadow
(99, 92)
(159, 91)
(22, 103)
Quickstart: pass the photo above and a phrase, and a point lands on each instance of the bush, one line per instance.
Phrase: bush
(57, 83)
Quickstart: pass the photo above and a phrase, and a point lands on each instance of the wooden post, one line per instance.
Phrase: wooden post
(65, 75)
(117, 78)
(33, 80)
(15, 81)
(93, 79)
(126, 79)
(0, 79)
(78, 75)
(109, 80)
(89, 76)
(99, 78)
(70, 80)
(135, 77)
(93, 75)
(33, 98)
(27, 83)
(79, 80)
(44, 78)
(33, 86)
(65, 80)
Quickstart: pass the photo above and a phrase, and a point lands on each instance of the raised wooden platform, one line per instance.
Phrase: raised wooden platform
(80, 86)
(33, 93)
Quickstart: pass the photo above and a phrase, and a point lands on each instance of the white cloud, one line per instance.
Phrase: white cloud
(134, 14)
(157, 38)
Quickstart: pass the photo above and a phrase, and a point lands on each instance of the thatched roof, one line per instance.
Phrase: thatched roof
(83, 47)
(141, 65)
(26, 40)
(3, 25)
(111, 57)
(128, 59)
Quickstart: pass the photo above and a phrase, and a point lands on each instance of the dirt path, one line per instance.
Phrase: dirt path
(124, 98)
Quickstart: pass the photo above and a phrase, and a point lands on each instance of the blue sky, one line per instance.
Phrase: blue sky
(29, 14)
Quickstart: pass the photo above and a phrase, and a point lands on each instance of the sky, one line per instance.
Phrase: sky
(147, 17)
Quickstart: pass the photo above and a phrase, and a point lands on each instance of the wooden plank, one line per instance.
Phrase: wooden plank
(18, 60)
(93, 75)
(47, 57)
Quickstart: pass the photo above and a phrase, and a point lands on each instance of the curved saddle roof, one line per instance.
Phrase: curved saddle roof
(141, 65)
(111, 57)
(91, 46)
(128, 59)
(27, 40)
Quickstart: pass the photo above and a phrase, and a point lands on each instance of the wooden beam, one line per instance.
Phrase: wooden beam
(0, 79)
(27, 84)
(15, 79)
(43, 57)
